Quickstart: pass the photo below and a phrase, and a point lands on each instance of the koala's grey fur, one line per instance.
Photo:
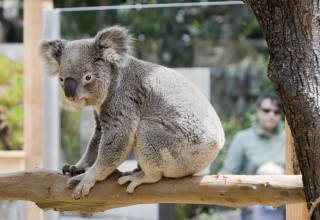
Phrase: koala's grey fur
(172, 128)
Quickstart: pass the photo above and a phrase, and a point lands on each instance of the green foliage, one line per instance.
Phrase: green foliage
(11, 99)
(11, 105)
(175, 30)
(70, 124)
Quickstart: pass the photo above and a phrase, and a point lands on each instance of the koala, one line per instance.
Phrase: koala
(171, 127)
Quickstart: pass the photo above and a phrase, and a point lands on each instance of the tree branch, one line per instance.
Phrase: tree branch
(48, 190)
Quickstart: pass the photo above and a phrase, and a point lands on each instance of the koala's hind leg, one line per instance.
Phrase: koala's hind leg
(138, 178)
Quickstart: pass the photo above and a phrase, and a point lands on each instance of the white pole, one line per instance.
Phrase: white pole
(51, 106)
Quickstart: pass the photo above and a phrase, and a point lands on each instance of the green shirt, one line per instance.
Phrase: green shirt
(251, 148)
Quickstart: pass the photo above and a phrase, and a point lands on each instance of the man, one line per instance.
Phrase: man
(259, 149)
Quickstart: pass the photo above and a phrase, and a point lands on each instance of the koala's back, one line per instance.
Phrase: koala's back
(179, 132)
(173, 98)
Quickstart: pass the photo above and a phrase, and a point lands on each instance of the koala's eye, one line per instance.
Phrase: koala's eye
(61, 80)
(88, 77)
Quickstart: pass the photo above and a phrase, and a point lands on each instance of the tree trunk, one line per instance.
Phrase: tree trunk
(48, 189)
(291, 29)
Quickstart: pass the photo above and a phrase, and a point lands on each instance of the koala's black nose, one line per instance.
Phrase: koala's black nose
(70, 87)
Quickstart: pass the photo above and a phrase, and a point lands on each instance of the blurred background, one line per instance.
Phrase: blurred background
(222, 41)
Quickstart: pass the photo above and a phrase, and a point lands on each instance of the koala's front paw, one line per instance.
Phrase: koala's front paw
(83, 184)
(73, 169)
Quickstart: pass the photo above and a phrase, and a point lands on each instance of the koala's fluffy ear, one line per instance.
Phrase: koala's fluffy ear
(114, 44)
(50, 52)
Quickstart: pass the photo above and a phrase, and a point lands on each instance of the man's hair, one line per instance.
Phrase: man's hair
(275, 99)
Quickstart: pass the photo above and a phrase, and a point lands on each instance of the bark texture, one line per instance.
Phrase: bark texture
(291, 29)
(48, 190)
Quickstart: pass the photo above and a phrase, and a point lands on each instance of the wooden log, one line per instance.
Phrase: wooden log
(48, 190)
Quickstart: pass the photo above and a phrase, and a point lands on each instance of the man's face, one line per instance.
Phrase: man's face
(269, 115)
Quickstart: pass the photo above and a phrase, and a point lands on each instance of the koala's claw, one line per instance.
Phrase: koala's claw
(65, 169)
(73, 170)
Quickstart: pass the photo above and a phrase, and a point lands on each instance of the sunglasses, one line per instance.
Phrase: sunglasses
(267, 111)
